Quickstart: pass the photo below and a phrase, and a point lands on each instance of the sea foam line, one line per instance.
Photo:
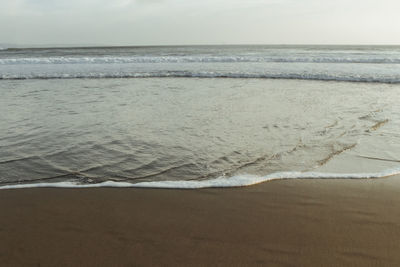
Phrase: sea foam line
(364, 59)
(189, 74)
(220, 182)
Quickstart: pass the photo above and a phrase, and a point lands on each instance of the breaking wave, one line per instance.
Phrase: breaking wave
(202, 59)
(204, 74)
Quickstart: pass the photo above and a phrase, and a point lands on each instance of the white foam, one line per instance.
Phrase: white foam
(221, 182)
(365, 59)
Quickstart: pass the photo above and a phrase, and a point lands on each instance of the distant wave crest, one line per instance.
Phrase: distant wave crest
(206, 74)
(200, 59)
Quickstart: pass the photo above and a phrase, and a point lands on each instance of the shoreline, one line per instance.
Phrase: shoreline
(236, 181)
(279, 223)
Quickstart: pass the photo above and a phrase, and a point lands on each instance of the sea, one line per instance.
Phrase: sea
(197, 116)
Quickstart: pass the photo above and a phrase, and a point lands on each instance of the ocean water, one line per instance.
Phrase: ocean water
(195, 116)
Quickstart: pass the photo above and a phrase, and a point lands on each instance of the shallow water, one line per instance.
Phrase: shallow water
(165, 129)
(196, 113)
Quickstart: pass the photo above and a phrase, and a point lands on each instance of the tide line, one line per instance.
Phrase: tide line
(220, 182)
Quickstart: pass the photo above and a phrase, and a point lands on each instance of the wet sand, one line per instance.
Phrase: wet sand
(279, 223)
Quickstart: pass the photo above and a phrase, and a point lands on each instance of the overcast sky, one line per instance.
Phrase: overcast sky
(165, 22)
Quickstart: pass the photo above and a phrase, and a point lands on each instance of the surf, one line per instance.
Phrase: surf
(220, 182)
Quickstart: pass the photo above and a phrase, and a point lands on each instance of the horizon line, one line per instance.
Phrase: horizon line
(47, 46)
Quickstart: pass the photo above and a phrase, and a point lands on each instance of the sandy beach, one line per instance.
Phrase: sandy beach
(279, 223)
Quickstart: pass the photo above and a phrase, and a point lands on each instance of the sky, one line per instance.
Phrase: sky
(185, 22)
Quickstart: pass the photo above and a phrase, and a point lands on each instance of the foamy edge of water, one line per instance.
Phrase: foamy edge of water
(220, 182)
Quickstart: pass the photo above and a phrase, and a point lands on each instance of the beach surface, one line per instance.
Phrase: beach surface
(279, 223)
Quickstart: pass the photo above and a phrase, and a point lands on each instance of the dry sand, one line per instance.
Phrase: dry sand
(279, 223)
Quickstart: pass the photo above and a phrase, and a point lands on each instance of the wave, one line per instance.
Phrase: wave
(390, 59)
(220, 182)
(205, 74)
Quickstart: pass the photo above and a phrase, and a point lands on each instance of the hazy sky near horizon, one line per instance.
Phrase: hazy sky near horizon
(165, 22)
